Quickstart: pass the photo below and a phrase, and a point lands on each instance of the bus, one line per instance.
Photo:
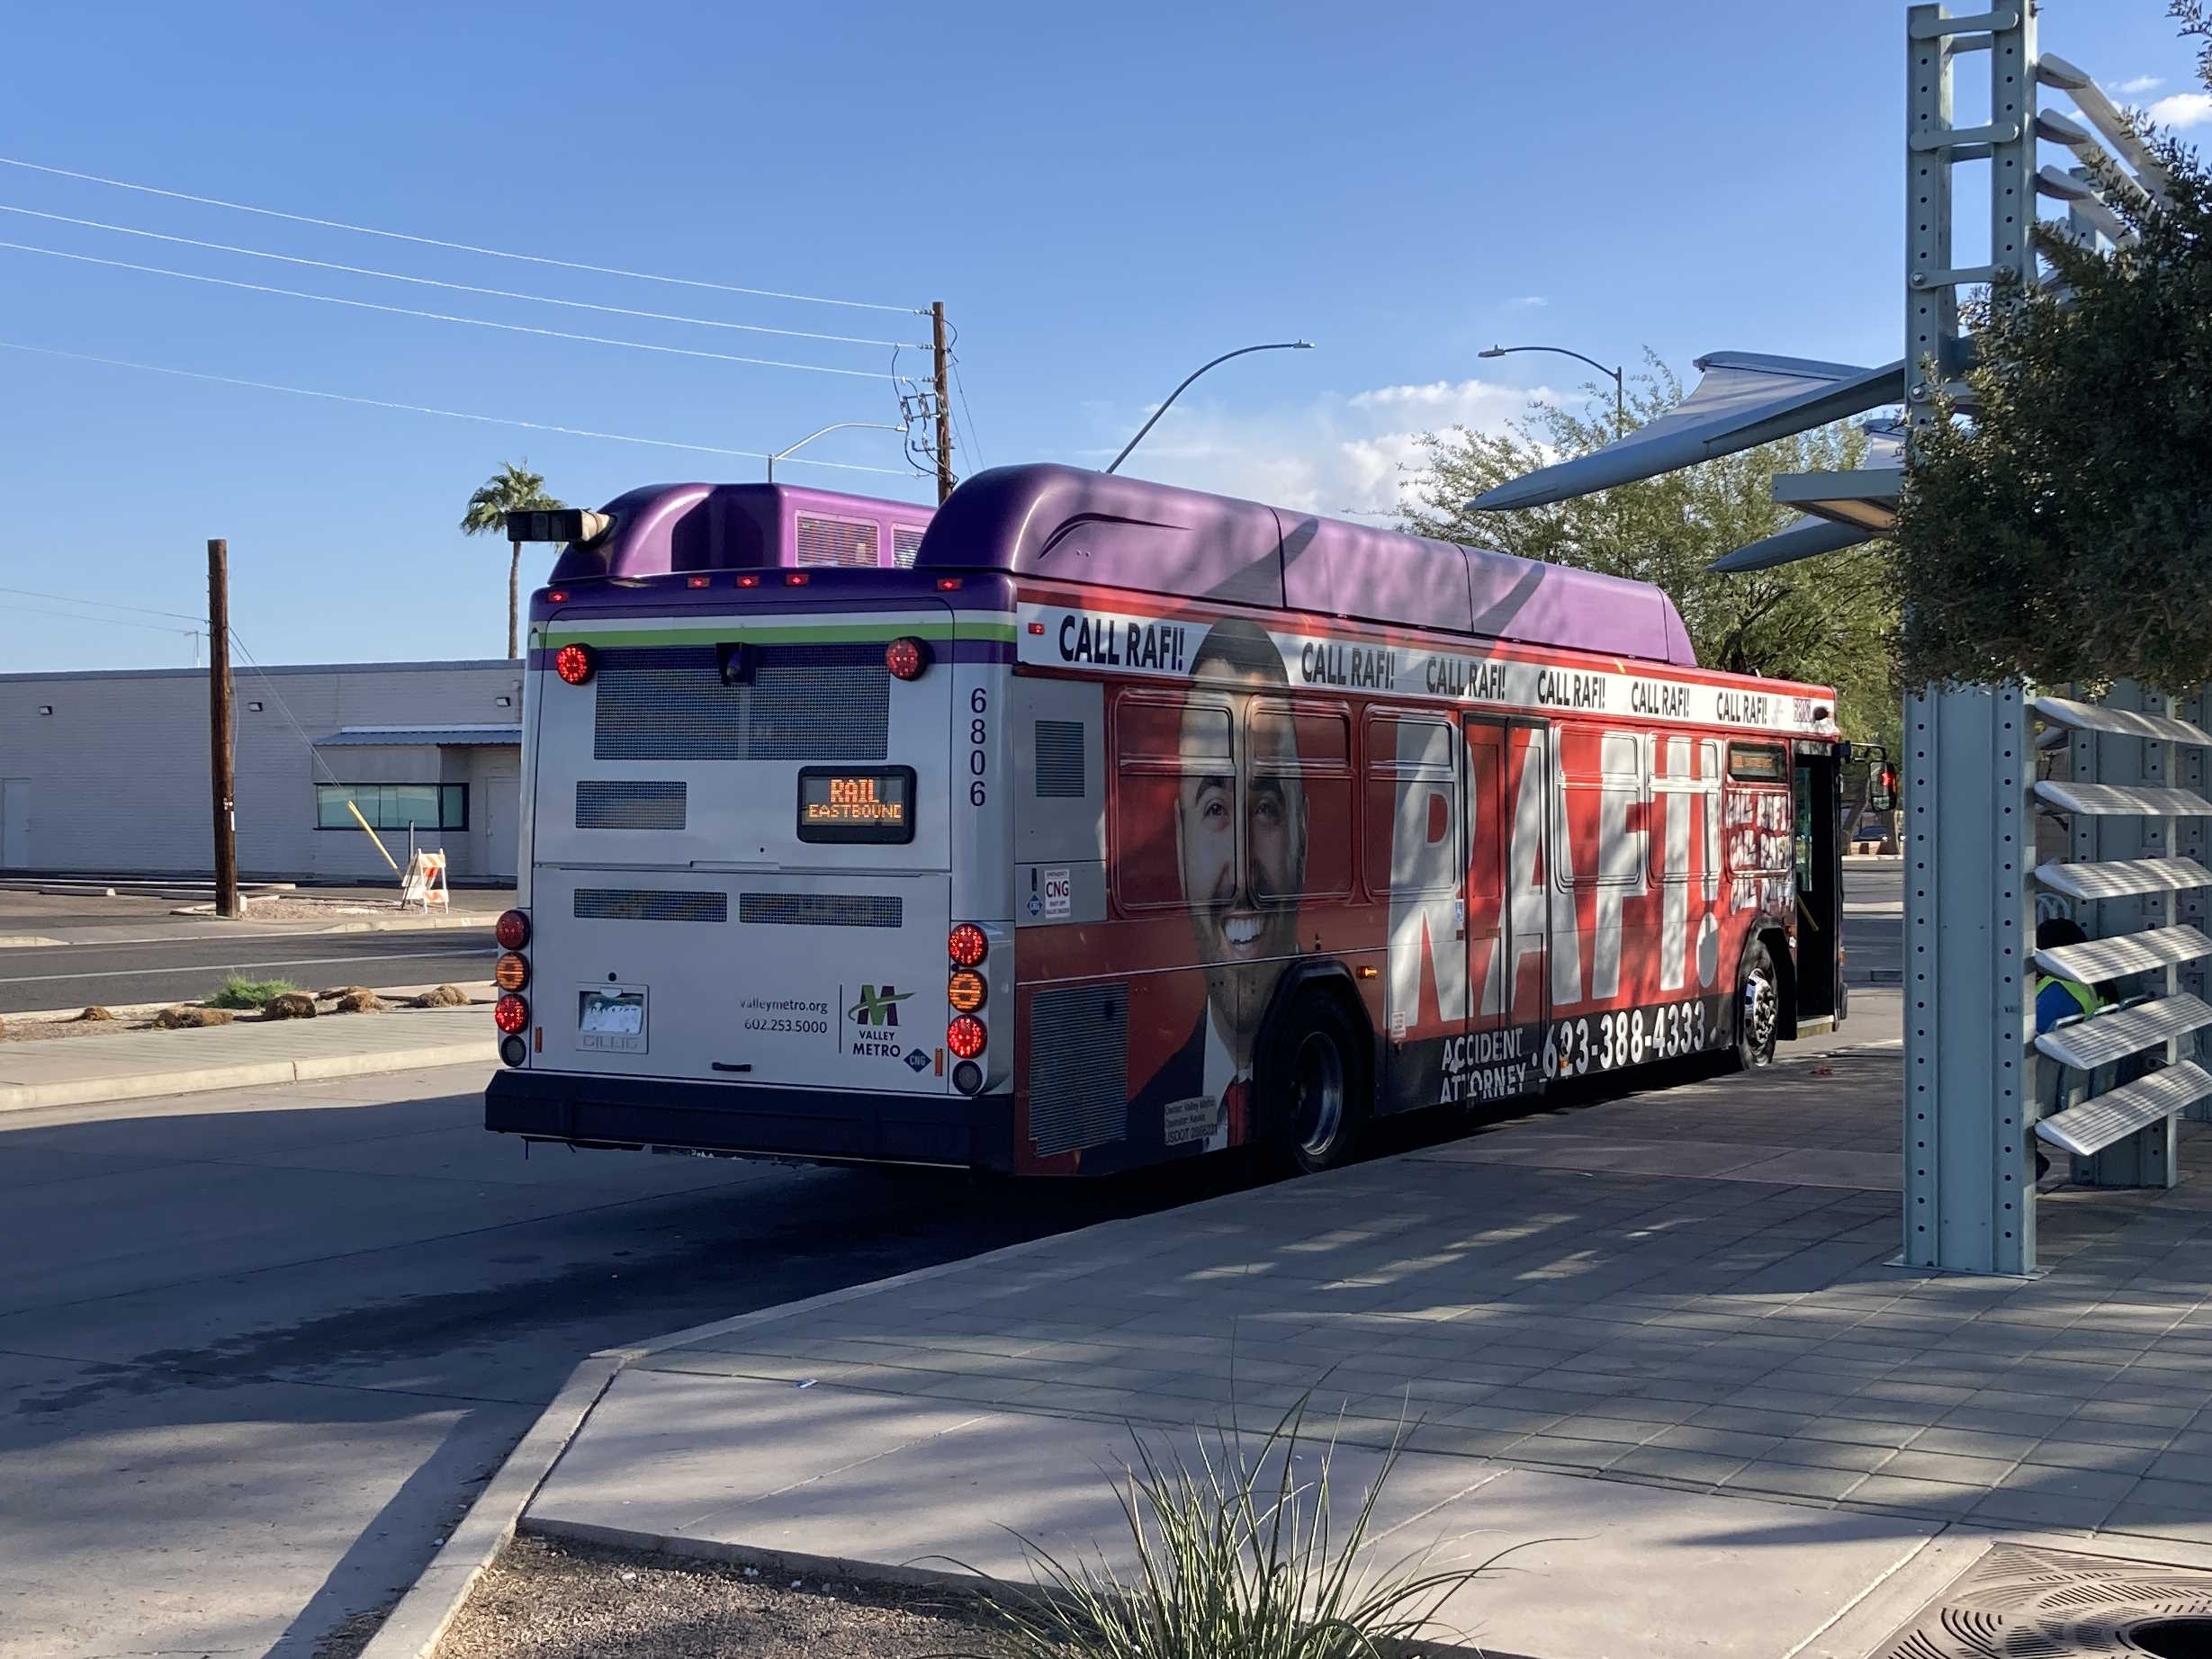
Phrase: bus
(1087, 823)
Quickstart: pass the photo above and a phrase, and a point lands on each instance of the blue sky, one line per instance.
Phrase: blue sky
(1102, 199)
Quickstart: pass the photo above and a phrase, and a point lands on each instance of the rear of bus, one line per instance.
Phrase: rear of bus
(751, 920)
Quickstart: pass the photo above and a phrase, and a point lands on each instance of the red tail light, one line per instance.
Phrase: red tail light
(512, 931)
(512, 1014)
(967, 946)
(907, 659)
(748, 581)
(966, 1036)
(573, 663)
(795, 579)
(697, 581)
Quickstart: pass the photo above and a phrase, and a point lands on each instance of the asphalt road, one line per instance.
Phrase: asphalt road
(258, 1350)
(1874, 945)
(179, 966)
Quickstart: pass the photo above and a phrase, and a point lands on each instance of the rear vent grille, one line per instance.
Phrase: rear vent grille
(649, 904)
(905, 543)
(836, 541)
(1078, 1068)
(626, 804)
(1059, 759)
(820, 910)
(822, 703)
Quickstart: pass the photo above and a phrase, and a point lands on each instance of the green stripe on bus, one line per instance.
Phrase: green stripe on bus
(797, 632)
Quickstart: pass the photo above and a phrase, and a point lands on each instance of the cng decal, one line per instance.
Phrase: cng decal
(875, 1021)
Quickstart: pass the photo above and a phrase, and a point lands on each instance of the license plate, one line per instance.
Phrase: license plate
(611, 1019)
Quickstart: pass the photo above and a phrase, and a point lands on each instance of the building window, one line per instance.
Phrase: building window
(393, 806)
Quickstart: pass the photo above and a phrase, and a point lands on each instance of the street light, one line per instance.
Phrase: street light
(1620, 386)
(1278, 345)
(835, 426)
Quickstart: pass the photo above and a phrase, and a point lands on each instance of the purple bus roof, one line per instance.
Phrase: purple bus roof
(661, 529)
(1074, 526)
(1069, 525)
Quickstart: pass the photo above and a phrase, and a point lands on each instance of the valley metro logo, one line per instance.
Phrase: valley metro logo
(878, 1008)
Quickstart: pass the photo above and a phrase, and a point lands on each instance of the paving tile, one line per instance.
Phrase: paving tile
(1860, 1431)
(2092, 1455)
(1719, 1442)
(1498, 1418)
(2164, 1521)
(1587, 1427)
(2188, 1495)
(1573, 1453)
(1752, 1421)
(1830, 1455)
(1670, 1463)
(1975, 1443)
(2176, 1466)
(2112, 1486)
(1913, 1463)
(1793, 1480)
(2043, 1509)
(1920, 1497)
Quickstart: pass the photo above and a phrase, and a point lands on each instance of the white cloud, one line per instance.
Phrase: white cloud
(2184, 109)
(1336, 455)
(2141, 84)
(1528, 302)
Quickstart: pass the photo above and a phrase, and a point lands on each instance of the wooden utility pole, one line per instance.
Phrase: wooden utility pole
(944, 403)
(219, 770)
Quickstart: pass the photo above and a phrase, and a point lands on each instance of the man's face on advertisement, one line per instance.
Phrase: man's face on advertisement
(1245, 926)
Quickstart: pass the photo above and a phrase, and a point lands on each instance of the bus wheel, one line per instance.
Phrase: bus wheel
(1316, 1088)
(1758, 1009)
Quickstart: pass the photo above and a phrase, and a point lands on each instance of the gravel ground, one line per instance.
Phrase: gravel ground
(545, 1601)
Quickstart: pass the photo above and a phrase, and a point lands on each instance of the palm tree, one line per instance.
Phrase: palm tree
(513, 489)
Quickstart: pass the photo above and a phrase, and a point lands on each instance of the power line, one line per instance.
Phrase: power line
(442, 317)
(111, 622)
(314, 755)
(967, 415)
(108, 604)
(463, 247)
(432, 282)
(419, 409)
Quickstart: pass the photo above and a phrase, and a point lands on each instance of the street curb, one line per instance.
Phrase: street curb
(415, 1627)
(26, 941)
(256, 1074)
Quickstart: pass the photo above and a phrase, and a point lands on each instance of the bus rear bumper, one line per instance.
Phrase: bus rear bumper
(759, 1119)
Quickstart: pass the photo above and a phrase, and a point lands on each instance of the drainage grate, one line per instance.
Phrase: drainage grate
(2022, 1603)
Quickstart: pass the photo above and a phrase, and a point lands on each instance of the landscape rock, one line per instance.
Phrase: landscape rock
(442, 996)
(343, 992)
(192, 1019)
(357, 1001)
(95, 1012)
(291, 1005)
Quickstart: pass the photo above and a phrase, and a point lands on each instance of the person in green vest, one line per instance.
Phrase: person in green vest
(2061, 998)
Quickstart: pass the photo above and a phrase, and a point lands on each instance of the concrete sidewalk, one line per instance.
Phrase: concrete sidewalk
(132, 1064)
(1659, 1333)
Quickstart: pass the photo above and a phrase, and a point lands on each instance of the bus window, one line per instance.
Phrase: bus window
(1300, 776)
(1174, 762)
(1411, 806)
(1601, 775)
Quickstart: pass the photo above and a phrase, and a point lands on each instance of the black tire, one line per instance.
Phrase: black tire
(1758, 1010)
(1312, 1087)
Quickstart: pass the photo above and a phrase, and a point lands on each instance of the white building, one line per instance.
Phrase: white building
(107, 773)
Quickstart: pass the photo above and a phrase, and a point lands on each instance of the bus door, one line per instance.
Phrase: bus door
(1816, 814)
(1416, 809)
(1500, 1056)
